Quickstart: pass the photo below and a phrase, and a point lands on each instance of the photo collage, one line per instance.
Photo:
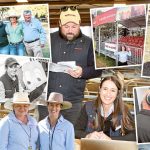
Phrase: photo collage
(65, 85)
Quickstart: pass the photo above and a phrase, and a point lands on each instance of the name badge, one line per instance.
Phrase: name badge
(30, 148)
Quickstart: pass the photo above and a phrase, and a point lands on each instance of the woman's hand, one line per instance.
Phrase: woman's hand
(93, 135)
(103, 136)
(98, 135)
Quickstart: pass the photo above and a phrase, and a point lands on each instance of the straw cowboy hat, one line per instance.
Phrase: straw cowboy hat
(19, 98)
(13, 14)
(55, 97)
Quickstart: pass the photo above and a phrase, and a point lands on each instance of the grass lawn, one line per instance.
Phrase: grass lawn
(104, 61)
(46, 49)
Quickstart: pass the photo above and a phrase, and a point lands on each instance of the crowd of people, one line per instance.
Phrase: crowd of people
(23, 38)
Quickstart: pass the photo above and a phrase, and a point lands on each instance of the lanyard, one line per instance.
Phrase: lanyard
(29, 136)
(51, 139)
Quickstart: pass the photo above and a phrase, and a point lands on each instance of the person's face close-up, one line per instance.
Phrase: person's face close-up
(123, 48)
(13, 19)
(108, 92)
(70, 30)
(54, 109)
(12, 70)
(27, 17)
(21, 109)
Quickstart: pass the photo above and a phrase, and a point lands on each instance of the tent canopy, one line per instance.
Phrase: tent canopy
(134, 22)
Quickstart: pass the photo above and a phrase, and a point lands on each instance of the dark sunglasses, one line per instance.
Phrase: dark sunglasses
(65, 8)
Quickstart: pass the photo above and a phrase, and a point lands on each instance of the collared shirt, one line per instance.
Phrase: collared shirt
(123, 55)
(33, 30)
(108, 113)
(15, 35)
(14, 135)
(63, 135)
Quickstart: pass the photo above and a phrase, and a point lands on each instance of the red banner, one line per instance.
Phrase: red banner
(105, 17)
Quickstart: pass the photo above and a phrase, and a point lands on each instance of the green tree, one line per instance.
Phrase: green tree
(2, 11)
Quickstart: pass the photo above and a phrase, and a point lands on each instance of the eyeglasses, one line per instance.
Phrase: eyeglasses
(65, 8)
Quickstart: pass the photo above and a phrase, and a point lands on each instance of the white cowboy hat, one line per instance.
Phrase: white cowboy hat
(55, 97)
(19, 98)
(13, 14)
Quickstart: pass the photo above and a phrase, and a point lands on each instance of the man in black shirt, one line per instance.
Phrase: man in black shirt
(143, 120)
(70, 44)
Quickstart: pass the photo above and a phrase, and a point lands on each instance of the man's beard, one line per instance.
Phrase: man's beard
(70, 36)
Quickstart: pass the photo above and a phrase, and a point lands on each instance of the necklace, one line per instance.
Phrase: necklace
(51, 139)
(29, 136)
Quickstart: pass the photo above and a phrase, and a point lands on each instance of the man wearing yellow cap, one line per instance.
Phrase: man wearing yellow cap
(69, 44)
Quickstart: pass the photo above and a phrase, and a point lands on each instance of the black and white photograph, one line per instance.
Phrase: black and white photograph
(142, 106)
(23, 75)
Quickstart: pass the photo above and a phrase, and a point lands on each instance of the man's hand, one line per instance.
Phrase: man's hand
(76, 73)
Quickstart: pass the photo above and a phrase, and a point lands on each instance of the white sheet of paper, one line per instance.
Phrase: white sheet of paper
(60, 67)
(71, 64)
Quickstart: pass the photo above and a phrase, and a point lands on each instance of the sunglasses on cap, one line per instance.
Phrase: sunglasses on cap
(65, 8)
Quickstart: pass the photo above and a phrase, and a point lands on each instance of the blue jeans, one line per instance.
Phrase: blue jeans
(17, 49)
(4, 50)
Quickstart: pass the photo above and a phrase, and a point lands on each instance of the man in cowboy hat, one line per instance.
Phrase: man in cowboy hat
(143, 119)
(18, 130)
(14, 31)
(55, 131)
(70, 44)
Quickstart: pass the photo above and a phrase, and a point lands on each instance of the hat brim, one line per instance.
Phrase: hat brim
(13, 16)
(13, 63)
(69, 19)
(9, 105)
(65, 104)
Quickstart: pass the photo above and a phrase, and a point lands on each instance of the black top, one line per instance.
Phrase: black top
(3, 35)
(79, 50)
(81, 126)
(143, 126)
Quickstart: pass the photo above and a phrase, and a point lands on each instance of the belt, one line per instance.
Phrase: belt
(31, 41)
(15, 43)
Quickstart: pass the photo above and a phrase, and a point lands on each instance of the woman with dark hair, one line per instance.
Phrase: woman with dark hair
(108, 117)
(123, 55)
(15, 35)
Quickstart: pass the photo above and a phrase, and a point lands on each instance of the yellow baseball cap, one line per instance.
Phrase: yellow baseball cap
(70, 16)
